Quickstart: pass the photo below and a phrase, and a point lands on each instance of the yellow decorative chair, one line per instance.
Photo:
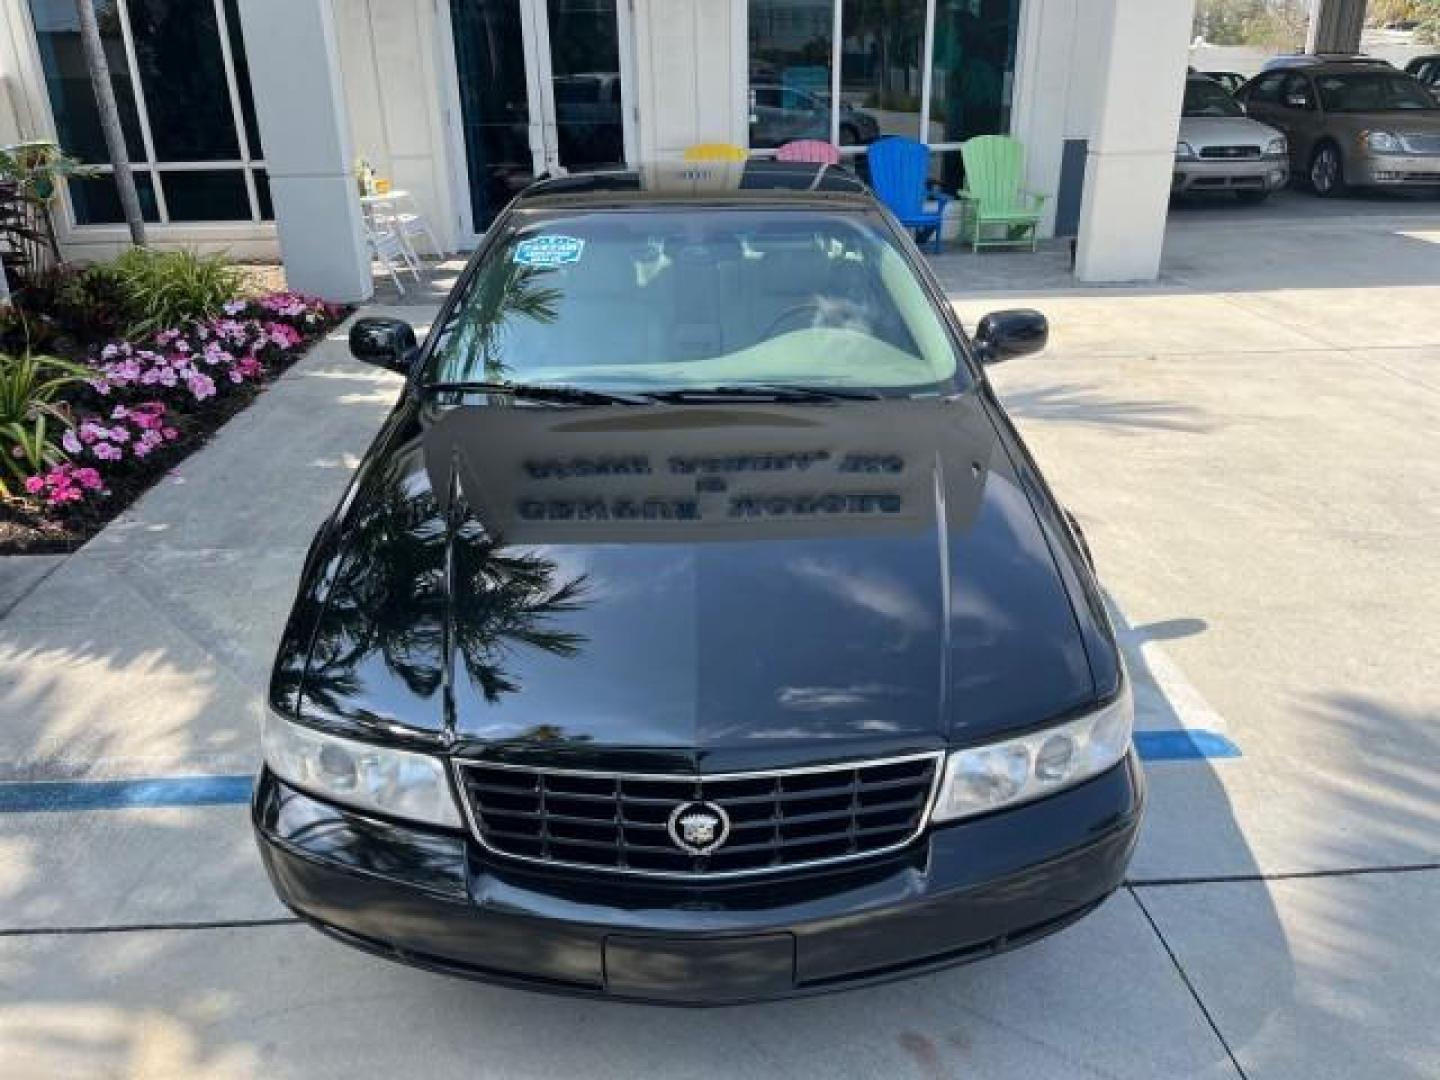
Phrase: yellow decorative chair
(715, 151)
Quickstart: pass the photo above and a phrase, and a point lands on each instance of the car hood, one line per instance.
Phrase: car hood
(1201, 131)
(741, 580)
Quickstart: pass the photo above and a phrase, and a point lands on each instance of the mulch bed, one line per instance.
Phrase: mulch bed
(29, 529)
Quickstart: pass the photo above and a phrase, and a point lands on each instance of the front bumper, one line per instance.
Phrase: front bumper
(1393, 170)
(962, 892)
(1255, 174)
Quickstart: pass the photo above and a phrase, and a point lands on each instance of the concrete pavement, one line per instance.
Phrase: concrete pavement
(1251, 453)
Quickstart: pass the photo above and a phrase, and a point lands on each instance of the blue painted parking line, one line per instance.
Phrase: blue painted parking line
(46, 796)
(55, 795)
(1183, 745)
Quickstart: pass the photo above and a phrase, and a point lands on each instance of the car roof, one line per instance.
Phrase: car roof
(702, 182)
(1327, 63)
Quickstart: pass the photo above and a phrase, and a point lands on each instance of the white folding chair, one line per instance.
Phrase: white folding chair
(387, 248)
(410, 222)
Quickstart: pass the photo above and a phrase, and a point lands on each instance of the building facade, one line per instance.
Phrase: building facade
(245, 118)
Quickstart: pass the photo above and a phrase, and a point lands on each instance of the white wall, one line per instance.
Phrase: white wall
(17, 119)
(692, 63)
(391, 65)
(1055, 87)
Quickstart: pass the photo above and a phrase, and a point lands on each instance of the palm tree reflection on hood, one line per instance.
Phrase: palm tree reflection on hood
(504, 599)
(390, 611)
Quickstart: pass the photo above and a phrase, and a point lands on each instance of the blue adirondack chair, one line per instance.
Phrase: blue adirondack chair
(899, 173)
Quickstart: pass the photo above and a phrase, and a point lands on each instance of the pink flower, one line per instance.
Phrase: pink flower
(70, 442)
(170, 434)
(63, 484)
(107, 452)
(202, 386)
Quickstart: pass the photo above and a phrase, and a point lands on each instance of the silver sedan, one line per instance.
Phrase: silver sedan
(1220, 149)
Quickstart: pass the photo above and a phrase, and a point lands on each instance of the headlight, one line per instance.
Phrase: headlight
(985, 778)
(1184, 151)
(399, 783)
(1277, 147)
(1382, 142)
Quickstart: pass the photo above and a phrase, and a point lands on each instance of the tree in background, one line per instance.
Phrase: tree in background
(1224, 22)
(1423, 15)
(99, 69)
(1271, 24)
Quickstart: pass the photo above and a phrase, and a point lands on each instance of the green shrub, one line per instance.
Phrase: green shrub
(85, 301)
(31, 419)
(23, 331)
(164, 289)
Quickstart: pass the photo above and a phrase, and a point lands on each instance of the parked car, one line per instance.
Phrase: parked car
(1230, 80)
(1351, 124)
(698, 628)
(1294, 60)
(1221, 150)
(1426, 69)
(780, 113)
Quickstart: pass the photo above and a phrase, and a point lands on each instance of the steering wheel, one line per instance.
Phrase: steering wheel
(790, 314)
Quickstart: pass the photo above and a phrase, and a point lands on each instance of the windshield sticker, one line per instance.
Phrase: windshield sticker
(549, 251)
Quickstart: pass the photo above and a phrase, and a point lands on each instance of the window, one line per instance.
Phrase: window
(853, 71)
(183, 87)
(1374, 92)
(791, 70)
(1266, 89)
(1206, 98)
(667, 299)
(1295, 93)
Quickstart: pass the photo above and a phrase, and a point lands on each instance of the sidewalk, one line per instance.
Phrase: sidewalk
(1250, 446)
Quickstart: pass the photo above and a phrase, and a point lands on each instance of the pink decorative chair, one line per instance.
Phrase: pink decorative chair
(815, 151)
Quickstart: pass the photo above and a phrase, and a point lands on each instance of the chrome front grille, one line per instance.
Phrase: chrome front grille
(624, 822)
(1230, 153)
(1421, 144)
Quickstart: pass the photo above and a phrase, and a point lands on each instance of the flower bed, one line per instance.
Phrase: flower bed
(138, 407)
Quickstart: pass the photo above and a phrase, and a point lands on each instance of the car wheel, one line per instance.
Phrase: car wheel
(1251, 198)
(1327, 172)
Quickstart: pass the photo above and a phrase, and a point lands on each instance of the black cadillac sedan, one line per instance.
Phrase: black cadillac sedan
(697, 629)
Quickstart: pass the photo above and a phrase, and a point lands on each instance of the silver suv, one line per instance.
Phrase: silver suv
(1220, 150)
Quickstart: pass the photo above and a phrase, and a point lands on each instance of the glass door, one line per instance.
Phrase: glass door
(541, 91)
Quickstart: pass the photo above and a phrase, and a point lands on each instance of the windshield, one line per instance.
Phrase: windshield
(1206, 98)
(647, 300)
(1373, 91)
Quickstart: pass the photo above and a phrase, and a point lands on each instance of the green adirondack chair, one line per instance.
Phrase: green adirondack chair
(994, 179)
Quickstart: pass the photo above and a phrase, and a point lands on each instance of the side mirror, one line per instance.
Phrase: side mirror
(387, 343)
(1003, 335)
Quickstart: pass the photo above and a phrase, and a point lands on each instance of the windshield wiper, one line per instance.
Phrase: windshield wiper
(779, 392)
(568, 395)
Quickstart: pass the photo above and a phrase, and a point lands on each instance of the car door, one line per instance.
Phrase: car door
(1300, 117)
(1261, 97)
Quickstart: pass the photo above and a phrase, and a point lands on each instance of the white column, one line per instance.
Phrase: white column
(300, 105)
(1132, 148)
